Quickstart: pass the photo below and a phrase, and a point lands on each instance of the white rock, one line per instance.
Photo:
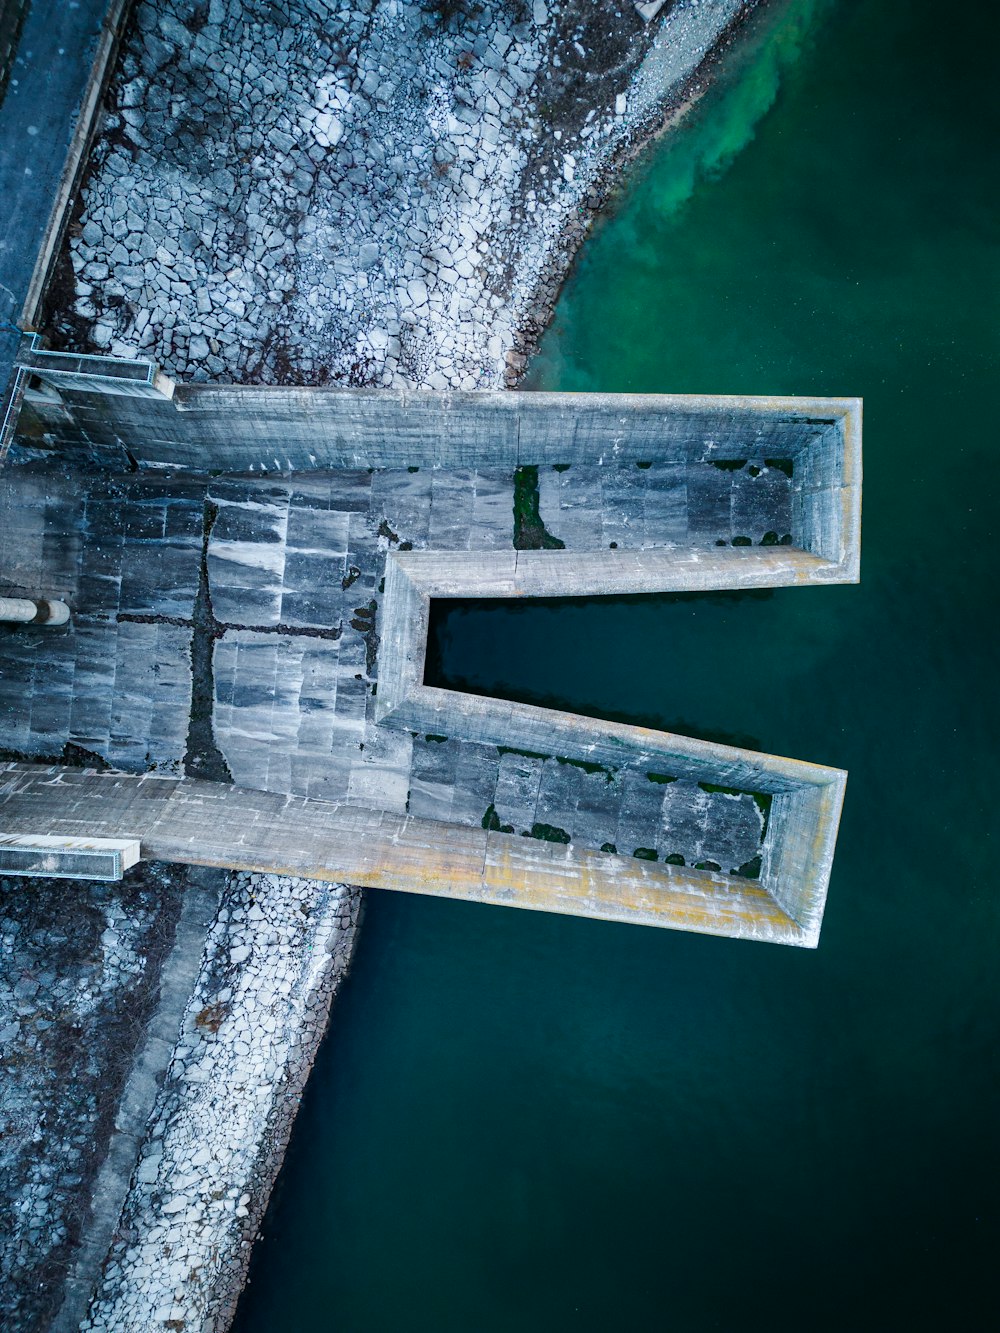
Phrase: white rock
(148, 1170)
(328, 129)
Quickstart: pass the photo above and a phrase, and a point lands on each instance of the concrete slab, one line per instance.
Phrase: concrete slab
(48, 79)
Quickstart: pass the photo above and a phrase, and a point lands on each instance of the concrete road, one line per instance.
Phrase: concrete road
(37, 115)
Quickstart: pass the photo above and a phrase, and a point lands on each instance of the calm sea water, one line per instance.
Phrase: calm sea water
(523, 1122)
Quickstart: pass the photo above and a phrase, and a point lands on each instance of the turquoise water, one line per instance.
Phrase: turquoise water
(534, 1123)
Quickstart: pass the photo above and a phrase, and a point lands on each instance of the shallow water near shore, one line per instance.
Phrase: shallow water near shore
(521, 1121)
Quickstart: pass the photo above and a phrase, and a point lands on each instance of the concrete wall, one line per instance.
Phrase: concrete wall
(797, 856)
(826, 494)
(80, 413)
(404, 700)
(205, 823)
(252, 429)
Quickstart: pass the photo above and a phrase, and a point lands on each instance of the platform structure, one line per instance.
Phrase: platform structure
(251, 572)
(68, 858)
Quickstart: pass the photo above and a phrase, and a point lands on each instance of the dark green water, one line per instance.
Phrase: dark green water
(522, 1122)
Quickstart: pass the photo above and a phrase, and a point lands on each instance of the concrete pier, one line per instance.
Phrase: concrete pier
(268, 627)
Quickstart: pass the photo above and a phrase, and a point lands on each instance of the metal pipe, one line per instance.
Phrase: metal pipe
(27, 611)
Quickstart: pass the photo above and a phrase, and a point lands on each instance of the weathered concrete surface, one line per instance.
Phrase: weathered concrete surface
(67, 858)
(505, 768)
(12, 14)
(302, 429)
(217, 824)
(272, 630)
(276, 586)
(265, 430)
(38, 115)
(697, 788)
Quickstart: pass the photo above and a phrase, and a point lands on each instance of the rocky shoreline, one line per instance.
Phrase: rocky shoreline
(274, 959)
(79, 976)
(655, 113)
(139, 1111)
(382, 194)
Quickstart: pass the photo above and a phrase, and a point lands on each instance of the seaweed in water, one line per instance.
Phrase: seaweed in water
(549, 833)
(529, 531)
(202, 757)
(749, 869)
(491, 821)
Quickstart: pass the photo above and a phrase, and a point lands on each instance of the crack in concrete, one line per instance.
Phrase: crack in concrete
(364, 623)
(224, 626)
(203, 758)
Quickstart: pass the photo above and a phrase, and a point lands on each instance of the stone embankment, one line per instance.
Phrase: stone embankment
(79, 976)
(89, 974)
(274, 957)
(376, 193)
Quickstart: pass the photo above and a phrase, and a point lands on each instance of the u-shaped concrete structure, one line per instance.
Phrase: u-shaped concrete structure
(341, 515)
